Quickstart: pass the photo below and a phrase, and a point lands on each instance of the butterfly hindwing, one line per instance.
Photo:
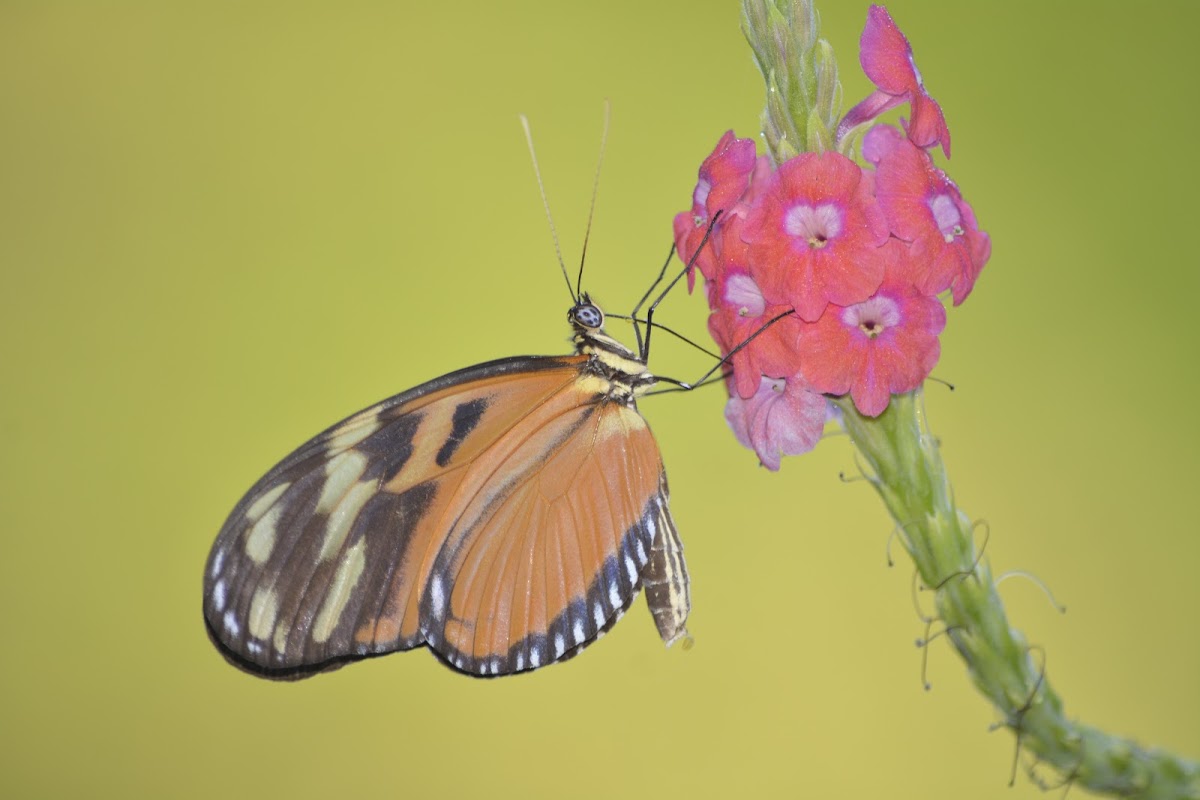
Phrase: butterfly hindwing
(555, 557)
(502, 514)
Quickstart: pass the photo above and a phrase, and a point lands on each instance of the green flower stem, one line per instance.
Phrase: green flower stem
(801, 114)
(803, 93)
(910, 477)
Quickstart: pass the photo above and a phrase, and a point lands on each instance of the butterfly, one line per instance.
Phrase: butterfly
(505, 516)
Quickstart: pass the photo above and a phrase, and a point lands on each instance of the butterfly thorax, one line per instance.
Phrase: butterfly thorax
(623, 371)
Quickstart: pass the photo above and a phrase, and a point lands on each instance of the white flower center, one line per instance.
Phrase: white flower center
(945, 214)
(743, 293)
(872, 316)
(818, 225)
(700, 196)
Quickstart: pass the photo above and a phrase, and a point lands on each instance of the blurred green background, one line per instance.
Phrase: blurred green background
(224, 226)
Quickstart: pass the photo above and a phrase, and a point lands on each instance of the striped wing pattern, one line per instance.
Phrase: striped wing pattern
(502, 515)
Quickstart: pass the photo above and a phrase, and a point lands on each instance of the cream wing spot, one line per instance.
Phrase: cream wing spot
(280, 638)
(340, 588)
(261, 539)
(437, 424)
(342, 518)
(353, 432)
(218, 562)
(219, 596)
(262, 504)
(341, 471)
(437, 597)
(619, 422)
(264, 608)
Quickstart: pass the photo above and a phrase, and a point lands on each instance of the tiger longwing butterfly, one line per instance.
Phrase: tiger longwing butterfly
(505, 515)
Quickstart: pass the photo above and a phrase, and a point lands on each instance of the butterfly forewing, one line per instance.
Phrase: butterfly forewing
(502, 514)
(296, 549)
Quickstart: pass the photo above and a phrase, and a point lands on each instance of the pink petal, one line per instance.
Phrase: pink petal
(886, 55)
(689, 232)
(783, 418)
(927, 128)
(727, 172)
(877, 103)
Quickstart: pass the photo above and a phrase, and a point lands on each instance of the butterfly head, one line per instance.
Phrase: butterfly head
(585, 315)
(617, 362)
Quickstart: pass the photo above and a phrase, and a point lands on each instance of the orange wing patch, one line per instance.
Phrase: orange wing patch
(513, 411)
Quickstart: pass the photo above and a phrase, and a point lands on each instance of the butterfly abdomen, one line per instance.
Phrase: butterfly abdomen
(666, 576)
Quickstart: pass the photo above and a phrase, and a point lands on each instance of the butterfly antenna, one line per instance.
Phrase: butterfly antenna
(595, 190)
(546, 204)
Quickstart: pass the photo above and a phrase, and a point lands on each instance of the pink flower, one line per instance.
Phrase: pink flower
(784, 417)
(815, 232)
(739, 311)
(759, 177)
(883, 345)
(723, 178)
(887, 59)
(725, 174)
(924, 207)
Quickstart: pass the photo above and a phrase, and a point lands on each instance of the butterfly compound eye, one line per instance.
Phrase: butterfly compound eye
(588, 315)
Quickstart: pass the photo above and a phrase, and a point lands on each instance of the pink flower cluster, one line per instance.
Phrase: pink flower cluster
(858, 254)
